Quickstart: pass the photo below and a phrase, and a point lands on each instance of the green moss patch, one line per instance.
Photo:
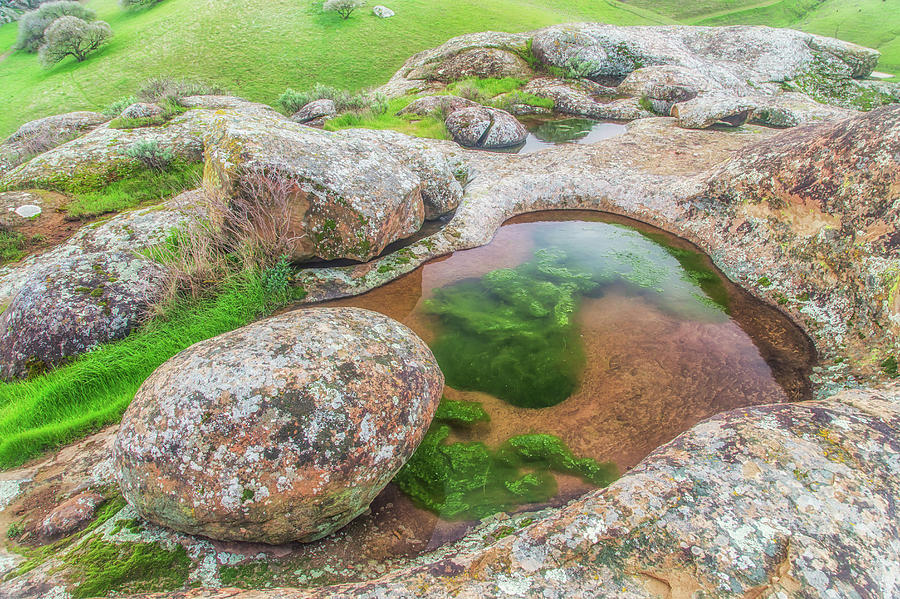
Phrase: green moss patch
(100, 567)
(469, 480)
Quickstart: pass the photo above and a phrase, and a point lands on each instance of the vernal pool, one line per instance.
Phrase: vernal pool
(572, 345)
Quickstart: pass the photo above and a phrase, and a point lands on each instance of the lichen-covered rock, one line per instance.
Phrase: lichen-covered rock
(666, 85)
(428, 105)
(587, 99)
(70, 515)
(348, 199)
(477, 62)
(441, 190)
(141, 110)
(483, 127)
(315, 113)
(707, 110)
(40, 135)
(283, 430)
(72, 305)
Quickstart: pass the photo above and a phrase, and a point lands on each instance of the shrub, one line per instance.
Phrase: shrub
(33, 24)
(151, 154)
(291, 101)
(160, 90)
(343, 7)
(135, 4)
(71, 36)
(116, 108)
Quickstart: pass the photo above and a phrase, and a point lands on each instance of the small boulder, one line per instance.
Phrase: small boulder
(71, 306)
(382, 12)
(487, 128)
(315, 113)
(71, 515)
(141, 110)
(705, 111)
(428, 105)
(283, 430)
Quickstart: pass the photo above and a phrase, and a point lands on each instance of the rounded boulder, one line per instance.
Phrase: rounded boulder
(482, 127)
(282, 430)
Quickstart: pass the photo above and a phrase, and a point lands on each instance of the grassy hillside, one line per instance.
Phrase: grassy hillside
(873, 23)
(256, 48)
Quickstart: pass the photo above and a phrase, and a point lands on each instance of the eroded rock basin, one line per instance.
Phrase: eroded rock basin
(661, 342)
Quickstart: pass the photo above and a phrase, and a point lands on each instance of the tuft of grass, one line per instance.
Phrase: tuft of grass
(484, 90)
(12, 246)
(94, 389)
(431, 126)
(143, 185)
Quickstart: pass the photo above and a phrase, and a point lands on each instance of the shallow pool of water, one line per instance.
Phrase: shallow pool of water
(607, 336)
(544, 134)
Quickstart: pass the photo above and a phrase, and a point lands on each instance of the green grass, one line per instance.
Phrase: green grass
(140, 187)
(12, 246)
(428, 126)
(94, 390)
(257, 48)
(170, 110)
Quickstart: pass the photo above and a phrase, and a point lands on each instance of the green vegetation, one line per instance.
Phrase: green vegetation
(139, 186)
(468, 480)
(511, 333)
(101, 567)
(12, 246)
(170, 109)
(94, 389)
(697, 270)
(889, 367)
(250, 575)
(257, 48)
(431, 126)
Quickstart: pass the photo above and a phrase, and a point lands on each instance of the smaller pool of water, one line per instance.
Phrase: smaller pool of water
(544, 134)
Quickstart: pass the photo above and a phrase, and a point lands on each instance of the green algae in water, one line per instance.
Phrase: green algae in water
(511, 333)
(469, 481)
(563, 130)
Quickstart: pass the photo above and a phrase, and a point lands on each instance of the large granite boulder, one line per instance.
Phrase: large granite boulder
(72, 305)
(346, 197)
(487, 128)
(477, 62)
(283, 430)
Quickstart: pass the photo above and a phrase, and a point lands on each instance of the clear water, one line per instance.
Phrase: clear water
(544, 134)
(608, 336)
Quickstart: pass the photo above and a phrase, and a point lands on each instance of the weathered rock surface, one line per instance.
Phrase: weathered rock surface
(347, 198)
(707, 110)
(476, 62)
(73, 305)
(282, 430)
(482, 127)
(141, 110)
(441, 189)
(43, 134)
(72, 514)
(446, 104)
(315, 113)
(586, 98)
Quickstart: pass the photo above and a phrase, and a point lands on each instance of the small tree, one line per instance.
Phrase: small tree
(33, 24)
(71, 36)
(343, 7)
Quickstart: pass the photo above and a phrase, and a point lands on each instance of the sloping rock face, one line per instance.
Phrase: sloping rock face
(315, 113)
(482, 127)
(348, 199)
(280, 431)
(705, 111)
(836, 187)
(43, 134)
(73, 305)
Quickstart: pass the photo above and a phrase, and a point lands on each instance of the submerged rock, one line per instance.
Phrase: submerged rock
(283, 430)
(482, 127)
(73, 305)
(347, 198)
